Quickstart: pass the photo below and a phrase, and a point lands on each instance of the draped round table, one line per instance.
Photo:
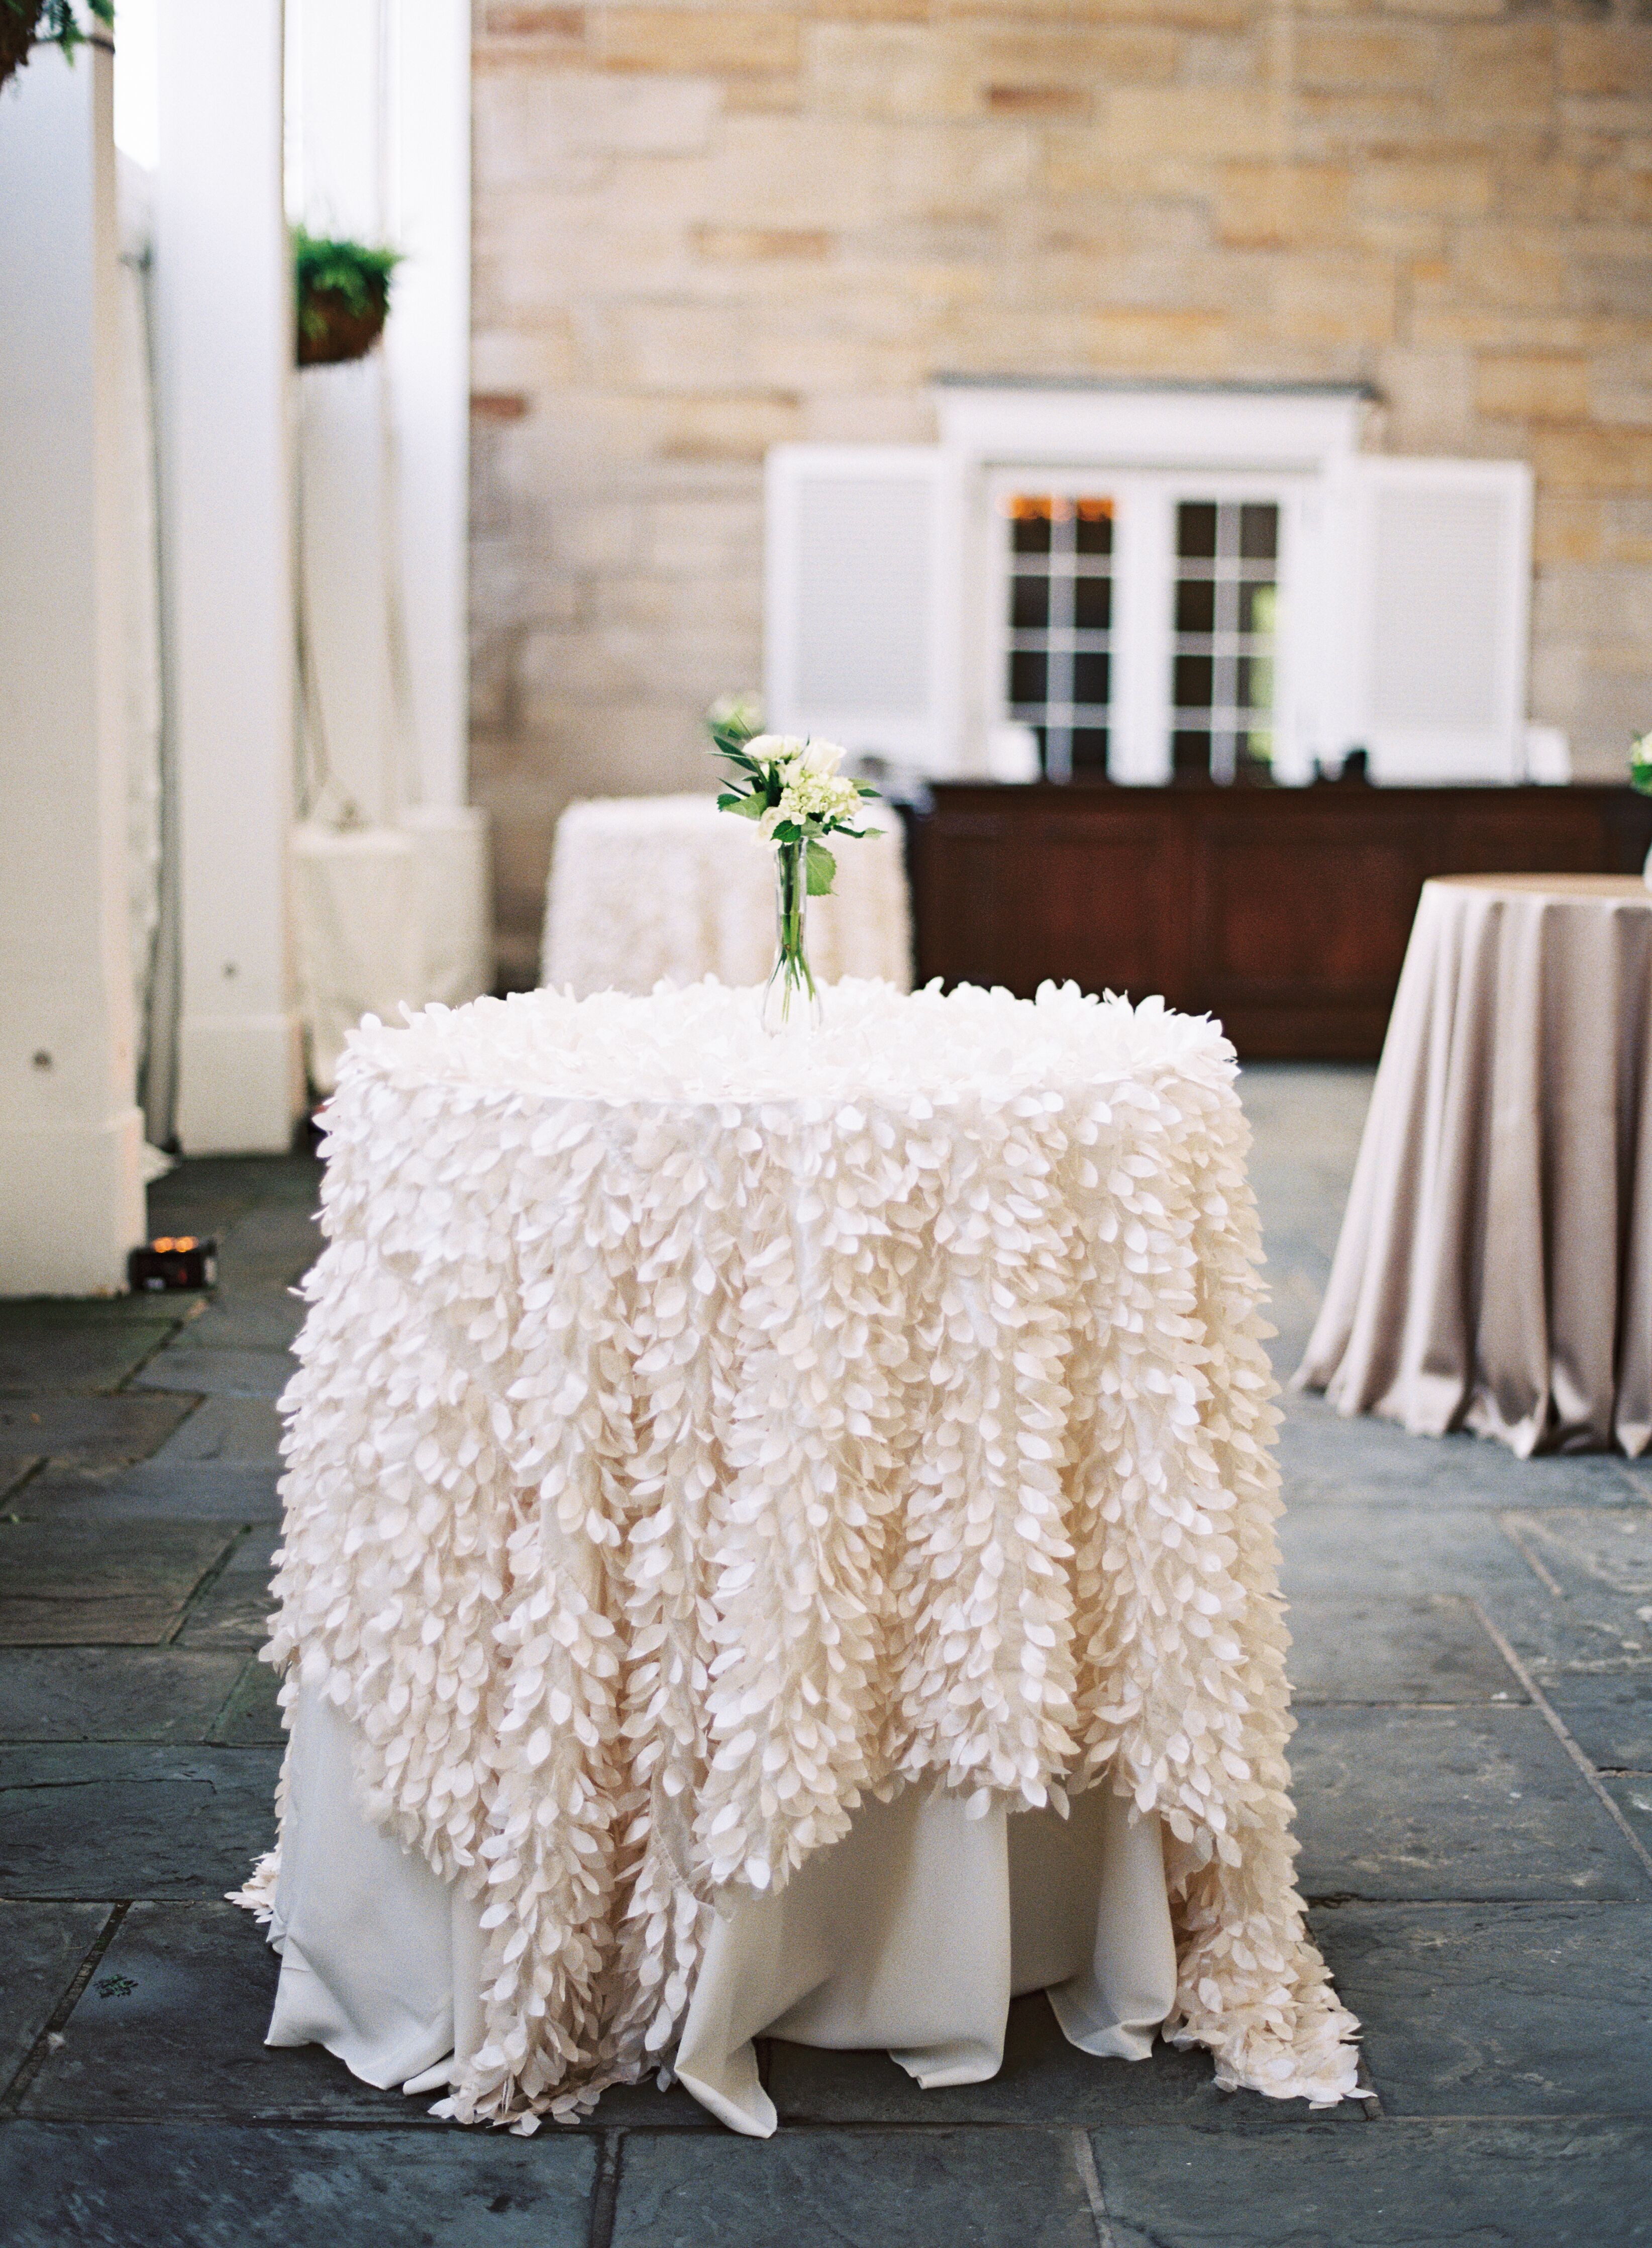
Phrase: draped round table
(778, 1538)
(647, 889)
(1494, 1269)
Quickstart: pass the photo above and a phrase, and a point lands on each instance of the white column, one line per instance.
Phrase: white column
(379, 94)
(428, 355)
(427, 347)
(71, 1134)
(224, 346)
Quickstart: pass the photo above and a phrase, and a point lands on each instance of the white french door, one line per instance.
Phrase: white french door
(1145, 626)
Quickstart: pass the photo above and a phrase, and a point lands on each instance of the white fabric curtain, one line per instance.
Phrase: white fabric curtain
(153, 998)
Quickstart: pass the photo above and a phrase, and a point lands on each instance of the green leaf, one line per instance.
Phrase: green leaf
(747, 807)
(731, 744)
(823, 870)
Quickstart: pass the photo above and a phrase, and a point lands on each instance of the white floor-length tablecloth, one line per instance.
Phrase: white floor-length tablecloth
(648, 888)
(912, 1934)
(735, 1488)
(1494, 1269)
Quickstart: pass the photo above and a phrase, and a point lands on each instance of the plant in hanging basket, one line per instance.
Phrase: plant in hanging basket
(26, 24)
(344, 297)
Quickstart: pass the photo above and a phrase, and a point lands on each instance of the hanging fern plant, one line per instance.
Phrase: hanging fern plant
(25, 24)
(344, 297)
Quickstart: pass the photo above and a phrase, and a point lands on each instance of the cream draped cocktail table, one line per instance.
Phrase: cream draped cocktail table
(1494, 1269)
(778, 1538)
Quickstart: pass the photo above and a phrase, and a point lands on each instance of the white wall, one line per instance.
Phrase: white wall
(70, 1189)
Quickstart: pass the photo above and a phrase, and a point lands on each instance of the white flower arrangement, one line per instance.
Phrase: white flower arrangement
(792, 788)
(793, 791)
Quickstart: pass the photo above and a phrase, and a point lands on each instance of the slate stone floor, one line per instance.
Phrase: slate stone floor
(1473, 1672)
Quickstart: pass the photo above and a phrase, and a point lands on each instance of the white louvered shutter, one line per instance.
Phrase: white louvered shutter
(1438, 592)
(855, 578)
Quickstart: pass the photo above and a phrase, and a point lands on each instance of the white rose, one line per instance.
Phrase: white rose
(774, 749)
(823, 757)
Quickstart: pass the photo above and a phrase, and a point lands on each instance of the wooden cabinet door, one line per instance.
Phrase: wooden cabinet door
(1083, 888)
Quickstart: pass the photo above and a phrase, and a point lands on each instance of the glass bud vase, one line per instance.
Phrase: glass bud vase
(791, 1004)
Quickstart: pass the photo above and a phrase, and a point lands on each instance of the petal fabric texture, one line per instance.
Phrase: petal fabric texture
(1494, 1269)
(696, 1433)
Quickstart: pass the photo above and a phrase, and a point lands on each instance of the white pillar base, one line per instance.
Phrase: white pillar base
(455, 894)
(241, 1083)
(74, 1205)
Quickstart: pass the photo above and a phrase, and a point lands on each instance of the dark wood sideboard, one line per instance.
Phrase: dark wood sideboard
(1284, 912)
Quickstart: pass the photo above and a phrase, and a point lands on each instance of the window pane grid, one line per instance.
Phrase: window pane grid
(1222, 664)
(1059, 679)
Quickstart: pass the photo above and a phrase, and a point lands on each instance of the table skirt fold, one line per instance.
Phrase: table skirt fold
(912, 1934)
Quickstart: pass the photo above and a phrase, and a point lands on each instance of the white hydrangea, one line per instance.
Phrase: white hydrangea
(808, 796)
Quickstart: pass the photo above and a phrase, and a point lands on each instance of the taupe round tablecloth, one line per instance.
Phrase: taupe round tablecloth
(1494, 1269)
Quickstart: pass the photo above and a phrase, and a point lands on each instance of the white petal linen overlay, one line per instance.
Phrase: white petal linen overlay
(651, 888)
(1494, 1269)
(697, 1433)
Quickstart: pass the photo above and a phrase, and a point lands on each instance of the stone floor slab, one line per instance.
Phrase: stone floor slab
(108, 1583)
(251, 1717)
(228, 1432)
(150, 2185)
(1608, 1713)
(1326, 1460)
(1584, 1551)
(1632, 1793)
(1401, 2184)
(27, 1313)
(1393, 1552)
(1589, 1629)
(1428, 1649)
(173, 2024)
(219, 1373)
(41, 1948)
(15, 1472)
(85, 1355)
(234, 1610)
(152, 1491)
(271, 1247)
(102, 1820)
(1452, 1804)
(89, 1432)
(1498, 2009)
(932, 2189)
(255, 1318)
(113, 1694)
(1043, 2080)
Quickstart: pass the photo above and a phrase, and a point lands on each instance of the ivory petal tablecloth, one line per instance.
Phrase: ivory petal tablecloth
(708, 1449)
(1494, 1269)
(651, 888)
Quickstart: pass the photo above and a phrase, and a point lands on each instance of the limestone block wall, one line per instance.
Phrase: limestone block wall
(700, 230)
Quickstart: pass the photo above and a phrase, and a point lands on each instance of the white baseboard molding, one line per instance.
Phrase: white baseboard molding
(72, 1205)
(240, 1084)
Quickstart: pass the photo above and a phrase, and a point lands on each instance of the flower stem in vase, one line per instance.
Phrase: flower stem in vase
(791, 1004)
